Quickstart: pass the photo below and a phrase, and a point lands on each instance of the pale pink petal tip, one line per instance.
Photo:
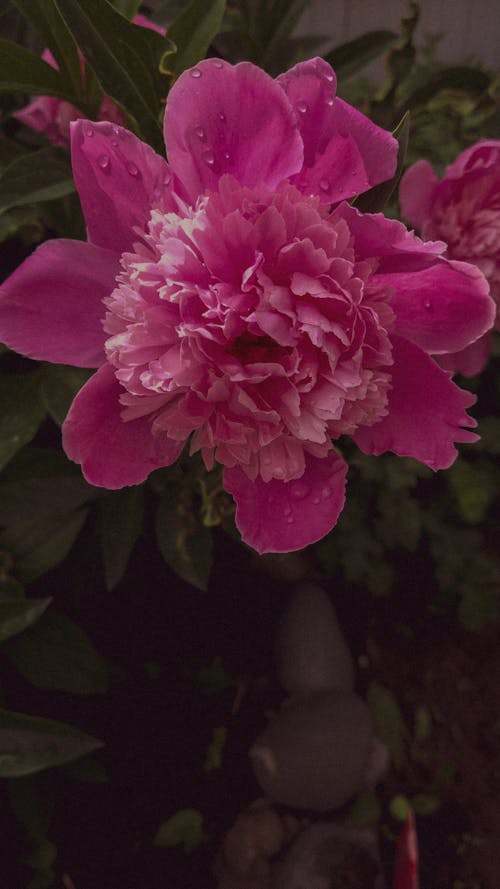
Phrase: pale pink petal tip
(112, 453)
(280, 517)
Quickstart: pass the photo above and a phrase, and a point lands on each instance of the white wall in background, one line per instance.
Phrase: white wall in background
(470, 27)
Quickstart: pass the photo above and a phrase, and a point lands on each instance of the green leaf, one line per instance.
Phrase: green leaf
(375, 199)
(280, 21)
(349, 58)
(32, 801)
(47, 20)
(121, 524)
(41, 517)
(425, 804)
(22, 220)
(193, 31)
(18, 614)
(400, 807)
(185, 828)
(185, 544)
(213, 678)
(59, 385)
(57, 654)
(124, 57)
(460, 78)
(213, 758)
(365, 811)
(21, 413)
(23, 71)
(475, 488)
(87, 770)
(9, 150)
(29, 744)
(127, 8)
(39, 176)
(387, 720)
(423, 725)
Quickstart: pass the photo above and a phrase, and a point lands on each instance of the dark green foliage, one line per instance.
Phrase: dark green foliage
(30, 744)
(192, 33)
(122, 514)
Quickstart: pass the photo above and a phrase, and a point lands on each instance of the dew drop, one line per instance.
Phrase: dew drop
(167, 179)
(428, 305)
(316, 500)
(329, 77)
(326, 492)
(302, 107)
(221, 116)
(324, 184)
(208, 157)
(196, 73)
(300, 490)
(287, 510)
(89, 131)
(290, 519)
(103, 161)
(200, 132)
(227, 155)
(132, 169)
(115, 131)
(218, 64)
(114, 143)
(330, 101)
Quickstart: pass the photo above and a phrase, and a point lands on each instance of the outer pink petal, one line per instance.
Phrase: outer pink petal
(416, 193)
(144, 22)
(280, 517)
(344, 152)
(119, 179)
(442, 308)
(51, 306)
(222, 118)
(387, 239)
(113, 453)
(485, 153)
(469, 361)
(426, 411)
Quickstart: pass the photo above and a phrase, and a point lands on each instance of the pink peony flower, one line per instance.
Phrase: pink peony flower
(462, 209)
(226, 302)
(52, 116)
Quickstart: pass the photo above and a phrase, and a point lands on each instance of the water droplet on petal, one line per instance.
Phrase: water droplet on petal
(329, 77)
(221, 116)
(167, 179)
(196, 73)
(208, 157)
(115, 143)
(326, 492)
(300, 490)
(290, 519)
(302, 107)
(103, 161)
(330, 101)
(200, 132)
(88, 131)
(132, 169)
(227, 155)
(316, 500)
(115, 131)
(218, 64)
(324, 184)
(428, 305)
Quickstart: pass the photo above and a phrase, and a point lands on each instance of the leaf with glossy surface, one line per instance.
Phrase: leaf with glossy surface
(185, 829)
(21, 413)
(39, 176)
(29, 744)
(121, 524)
(23, 71)
(58, 655)
(349, 58)
(47, 20)
(17, 614)
(125, 58)
(193, 31)
(185, 544)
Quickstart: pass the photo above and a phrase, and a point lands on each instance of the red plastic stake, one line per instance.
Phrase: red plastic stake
(406, 866)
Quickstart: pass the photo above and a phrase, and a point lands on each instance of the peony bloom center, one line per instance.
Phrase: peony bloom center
(247, 323)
